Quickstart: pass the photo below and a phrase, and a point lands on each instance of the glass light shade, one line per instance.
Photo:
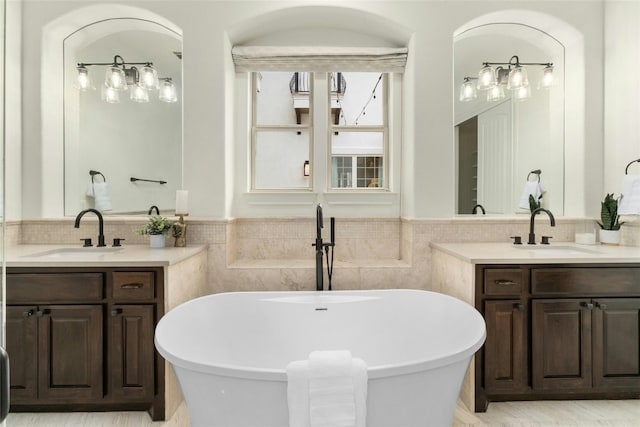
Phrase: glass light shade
(517, 78)
(496, 93)
(110, 95)
(468, 91)
(547, 77)
(84, 82)
(522, 93)
(115, 78)
(486, 78)
(149, 78)
(167, 92)
(139, 94)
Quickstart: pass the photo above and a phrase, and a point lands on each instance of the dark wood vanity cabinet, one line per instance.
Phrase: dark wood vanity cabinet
(82, 339)
(558, 331)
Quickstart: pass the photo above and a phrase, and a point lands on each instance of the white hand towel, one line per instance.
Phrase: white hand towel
(330, 363)
(298, 393)
(328, 390)
(102, 202)
(630, 200)
(533, 188)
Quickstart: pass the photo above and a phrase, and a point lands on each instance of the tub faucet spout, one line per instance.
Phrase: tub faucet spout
(100, 224)
(532, 236)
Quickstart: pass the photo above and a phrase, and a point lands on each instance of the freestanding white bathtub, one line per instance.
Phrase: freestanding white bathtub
(229, 352)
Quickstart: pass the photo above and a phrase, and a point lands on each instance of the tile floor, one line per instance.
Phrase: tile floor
(582, 413)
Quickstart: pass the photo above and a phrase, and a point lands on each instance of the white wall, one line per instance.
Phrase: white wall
(13, 112)
(622, 92)
(428, 159)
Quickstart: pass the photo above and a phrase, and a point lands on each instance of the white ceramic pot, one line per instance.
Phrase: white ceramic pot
(610, 237)
(156, 240)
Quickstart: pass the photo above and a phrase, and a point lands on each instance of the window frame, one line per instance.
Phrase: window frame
(255, 128)
(384, 128)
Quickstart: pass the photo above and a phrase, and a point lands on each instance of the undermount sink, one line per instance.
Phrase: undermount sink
(62, 253)
(555, 250)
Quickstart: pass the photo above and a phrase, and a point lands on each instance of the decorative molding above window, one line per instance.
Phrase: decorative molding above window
(319, 58)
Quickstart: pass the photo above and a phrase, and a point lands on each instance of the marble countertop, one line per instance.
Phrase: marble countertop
(555, 253)
(77, 256)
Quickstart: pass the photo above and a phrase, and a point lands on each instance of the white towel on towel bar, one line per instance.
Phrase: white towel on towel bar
(533, 188)
(630, 200)
(328, 390)
(100, 194)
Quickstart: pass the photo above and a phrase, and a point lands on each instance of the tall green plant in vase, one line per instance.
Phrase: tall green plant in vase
(609, 221)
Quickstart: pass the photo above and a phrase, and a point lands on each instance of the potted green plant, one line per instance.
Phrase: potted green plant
(157, 228)
(609, 221)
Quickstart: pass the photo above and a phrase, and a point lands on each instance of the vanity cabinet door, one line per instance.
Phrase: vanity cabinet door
(505, 348)
(22, 347)
(561, 344)
(616, 343)
(70, 358)
(131, 352)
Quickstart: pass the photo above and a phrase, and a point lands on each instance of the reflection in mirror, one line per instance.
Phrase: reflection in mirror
(123, 147)
(504, 133)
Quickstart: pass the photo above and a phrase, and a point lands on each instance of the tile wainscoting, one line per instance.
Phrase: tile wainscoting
(276, 254)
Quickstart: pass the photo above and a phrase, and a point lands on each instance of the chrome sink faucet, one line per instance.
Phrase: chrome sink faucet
(532, 236)
(100, 224)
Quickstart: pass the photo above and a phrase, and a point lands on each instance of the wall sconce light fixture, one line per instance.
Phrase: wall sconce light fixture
(305, 168)
(514, 78)
(119, 77)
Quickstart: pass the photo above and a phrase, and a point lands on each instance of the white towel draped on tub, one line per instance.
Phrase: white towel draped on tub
(630, 201)
(328, 390)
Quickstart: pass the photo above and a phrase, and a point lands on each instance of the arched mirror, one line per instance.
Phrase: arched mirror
(122, 147)
(509, 141)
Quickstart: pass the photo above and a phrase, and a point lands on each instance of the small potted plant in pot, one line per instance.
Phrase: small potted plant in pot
(157, 228)
(610, 225)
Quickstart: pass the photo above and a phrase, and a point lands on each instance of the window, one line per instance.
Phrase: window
(281, 131)
(356, 125)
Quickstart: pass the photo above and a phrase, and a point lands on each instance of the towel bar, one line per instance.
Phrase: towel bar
(147, 180)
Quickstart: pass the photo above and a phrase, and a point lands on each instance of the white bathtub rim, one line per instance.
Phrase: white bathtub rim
(379, 371)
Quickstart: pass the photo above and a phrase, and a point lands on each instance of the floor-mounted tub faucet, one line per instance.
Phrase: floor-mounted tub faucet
(100, 224)
(532, 236)
(323, 246)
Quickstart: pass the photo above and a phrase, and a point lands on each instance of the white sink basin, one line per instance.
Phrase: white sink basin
(74, 253)
(553, 250)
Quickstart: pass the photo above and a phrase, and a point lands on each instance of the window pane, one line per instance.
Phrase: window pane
(282, 98)
(279, 159)
(341, 172)
(357, 98)
(370, 172)
(357, 143)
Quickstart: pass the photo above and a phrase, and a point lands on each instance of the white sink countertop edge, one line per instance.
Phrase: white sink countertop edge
(128, 256)
(507, 253)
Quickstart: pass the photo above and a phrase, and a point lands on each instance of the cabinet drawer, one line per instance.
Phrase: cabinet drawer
(585, 281)
(54, 287)
(503, 281)
(133, 285)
